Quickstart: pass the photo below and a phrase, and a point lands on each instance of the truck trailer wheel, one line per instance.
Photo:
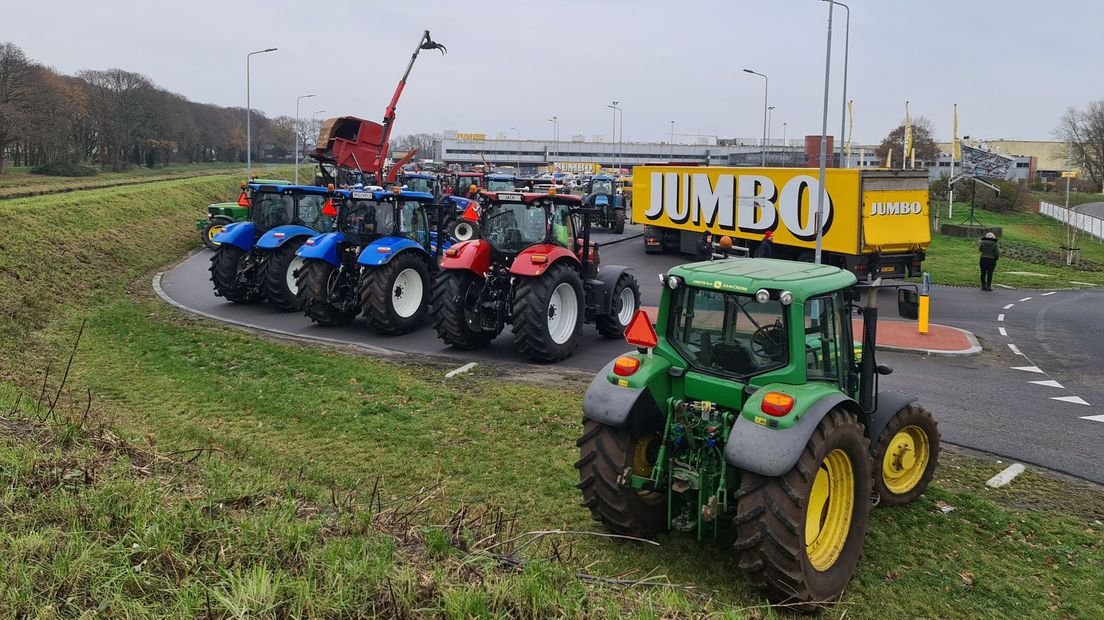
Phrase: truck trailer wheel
(905, 456)
(605, 453)
(455, 291)
(279, 276)
(314, 284)
(224, 275)
(547, 313)
(214, 226)
(624, 302)
(617, 226)
(395, 296)
(800, 535)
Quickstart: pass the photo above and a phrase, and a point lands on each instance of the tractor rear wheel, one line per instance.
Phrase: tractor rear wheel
(800, 535)
(463, 230)
(605, 453)
(224, 274)
(547, 313)
(905, 455)
(280, 273)
(395, 296)
(454, 293)
(214, 226)
(315, 283)
(618, 225)
(624, 302)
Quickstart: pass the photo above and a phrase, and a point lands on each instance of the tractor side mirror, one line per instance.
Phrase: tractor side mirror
(908, 303)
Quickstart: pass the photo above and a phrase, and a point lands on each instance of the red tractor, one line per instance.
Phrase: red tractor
(535, 268)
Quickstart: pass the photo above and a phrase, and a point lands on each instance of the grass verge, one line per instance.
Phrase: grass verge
(329, 484)
(21, 183)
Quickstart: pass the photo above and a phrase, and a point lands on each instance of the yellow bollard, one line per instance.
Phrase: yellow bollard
(925, 288)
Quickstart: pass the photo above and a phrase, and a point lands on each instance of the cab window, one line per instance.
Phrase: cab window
(824, 334)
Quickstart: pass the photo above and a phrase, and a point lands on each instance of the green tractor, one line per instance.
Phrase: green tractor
(223, 213)
(753, 409)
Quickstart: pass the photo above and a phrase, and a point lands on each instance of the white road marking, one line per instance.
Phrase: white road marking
(1077, 400)
(1009, 306)
(1049, 383)
(1005, 476)
(1002, 331)
(1015, 349)
(1094, 418)
(1029, 369)
(465, 368)
(1050, 293)
(1081, 283)
(1026, 299)
(1000, 317)
(1004, 286)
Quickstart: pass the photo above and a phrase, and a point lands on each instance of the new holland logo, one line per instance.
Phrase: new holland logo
(750, 203)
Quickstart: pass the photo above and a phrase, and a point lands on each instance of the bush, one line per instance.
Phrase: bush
(1014, 196)
(64, 169)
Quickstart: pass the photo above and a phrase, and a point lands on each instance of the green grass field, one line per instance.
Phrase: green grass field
(954, 260)
(220, 474)
(19, 181)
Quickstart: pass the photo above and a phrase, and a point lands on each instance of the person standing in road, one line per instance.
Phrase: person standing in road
(704, 251)
(766, 247)
(987, 246)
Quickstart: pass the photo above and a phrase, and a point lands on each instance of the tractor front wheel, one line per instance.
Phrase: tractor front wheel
(800, 535)
(225, 264)
(605, 455)
(214, 226)
(315, 284)
(905, 455)
(618, 225)
(394, 296)
(624, 302)
(280, 276)
(547, 313)
(455, 295)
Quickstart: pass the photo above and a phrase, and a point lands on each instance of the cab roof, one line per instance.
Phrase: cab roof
(287, 187)
(747, 275)
(420, 175)
(384, 194)
(498, 176)
(528, 197)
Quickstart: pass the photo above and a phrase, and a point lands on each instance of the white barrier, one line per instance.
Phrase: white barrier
(1092, 225)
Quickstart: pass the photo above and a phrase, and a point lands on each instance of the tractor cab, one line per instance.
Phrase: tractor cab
(462, 182)
(402, 213)
(512, 222)
(424, 183)
(272, 206)
(499, 182)
(600, 185)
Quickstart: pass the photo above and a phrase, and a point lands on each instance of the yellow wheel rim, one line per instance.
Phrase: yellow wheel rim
(828, 516)
(643, 463)
(212, 231)
(906, 459)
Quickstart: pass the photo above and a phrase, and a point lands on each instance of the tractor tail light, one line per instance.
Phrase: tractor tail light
(625, 366)
(777, 404)
(539, 259)
(453, 251)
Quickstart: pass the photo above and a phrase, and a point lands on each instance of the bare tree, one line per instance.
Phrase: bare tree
(1083, 130)
(15, 88)
(922, 141)
(426, 143)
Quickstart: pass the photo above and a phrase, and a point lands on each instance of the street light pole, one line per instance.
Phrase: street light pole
(296, 133)
(556, 135)
(766, 84)
(518, 143)
(613, 139)
(843, 106)
(823, 139)
(248, 110)
(785, 151)
(672, 140)
(770, 113)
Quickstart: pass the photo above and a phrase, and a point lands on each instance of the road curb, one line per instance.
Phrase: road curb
(975, 347)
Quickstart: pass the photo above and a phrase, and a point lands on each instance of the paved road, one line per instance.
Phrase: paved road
(1095, 209)
(981, 402)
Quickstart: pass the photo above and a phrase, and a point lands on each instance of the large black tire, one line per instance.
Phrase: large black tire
(224, 275)
(387, 300)
(613, 325)
(605, 453)
(313, 282)
(905, 455)
(618, 224)
(213, 227)
(280, 276)
(452, 293)
(533, 312)
(773, 513)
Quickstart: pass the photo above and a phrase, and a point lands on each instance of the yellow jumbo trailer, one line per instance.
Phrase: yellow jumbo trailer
(875, 221)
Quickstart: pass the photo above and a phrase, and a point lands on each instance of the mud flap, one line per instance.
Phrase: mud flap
(772, 452)
(621, 407)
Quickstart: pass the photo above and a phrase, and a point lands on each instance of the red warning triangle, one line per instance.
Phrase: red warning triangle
(640, 332)
(243, 200)
(328, 208)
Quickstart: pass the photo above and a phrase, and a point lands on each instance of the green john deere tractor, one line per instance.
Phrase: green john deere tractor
(751, 409)
(222, 213)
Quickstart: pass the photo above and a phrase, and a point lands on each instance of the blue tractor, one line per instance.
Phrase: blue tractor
(379, 261)
(422, 182)
(499, 182)
(256, 258)
(601, 195)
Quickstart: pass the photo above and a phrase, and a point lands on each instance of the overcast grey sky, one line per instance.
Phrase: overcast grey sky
(1013, 66)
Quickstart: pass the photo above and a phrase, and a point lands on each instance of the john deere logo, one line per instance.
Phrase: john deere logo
(716, 284)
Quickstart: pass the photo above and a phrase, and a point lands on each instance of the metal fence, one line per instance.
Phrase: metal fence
(1092, 225)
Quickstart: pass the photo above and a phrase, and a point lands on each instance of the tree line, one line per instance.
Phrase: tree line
(117, 119)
